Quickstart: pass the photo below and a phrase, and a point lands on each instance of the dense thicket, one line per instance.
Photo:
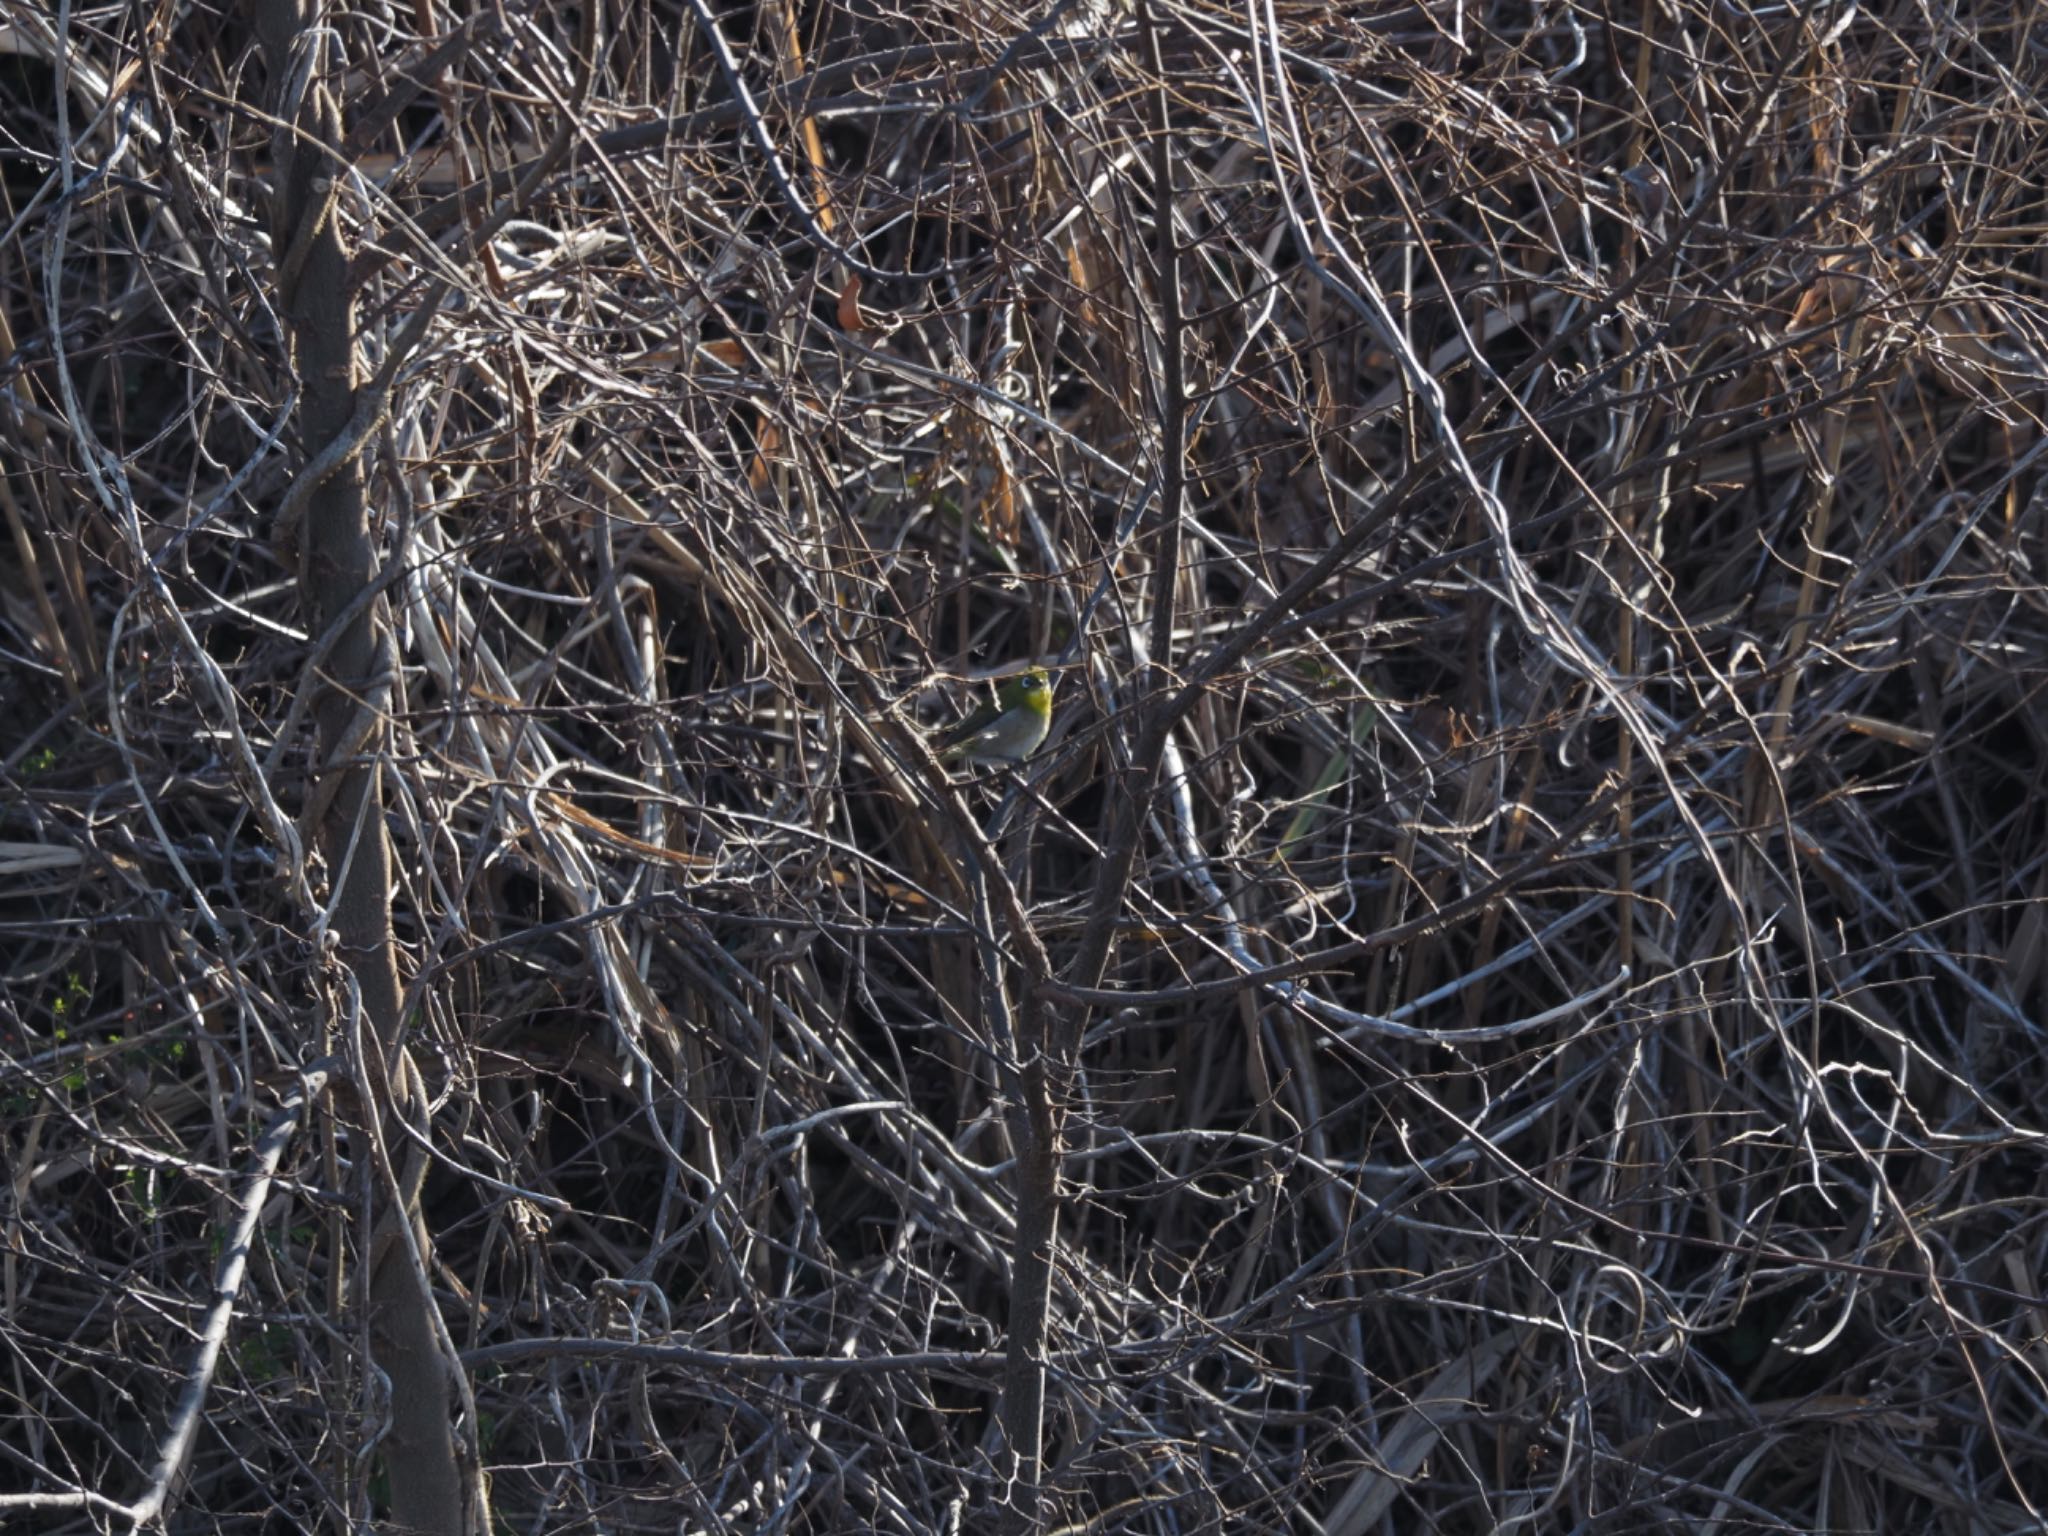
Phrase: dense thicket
(1509, 1002)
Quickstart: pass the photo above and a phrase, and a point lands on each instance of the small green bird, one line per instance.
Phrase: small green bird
(1007, 731)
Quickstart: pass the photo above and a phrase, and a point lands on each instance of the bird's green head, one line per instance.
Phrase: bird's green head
(1028, 690)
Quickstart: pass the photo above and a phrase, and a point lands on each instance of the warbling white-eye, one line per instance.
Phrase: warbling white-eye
(1007, 731)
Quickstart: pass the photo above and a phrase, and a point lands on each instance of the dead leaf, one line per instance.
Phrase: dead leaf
(850, 317)
(1446, 1400)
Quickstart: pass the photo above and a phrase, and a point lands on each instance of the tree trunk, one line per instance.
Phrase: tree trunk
(345, 807)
